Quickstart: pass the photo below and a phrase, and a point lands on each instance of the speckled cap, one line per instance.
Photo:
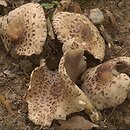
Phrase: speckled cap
(107, 85)
(53, 95)
(23, 30)
(78, 27)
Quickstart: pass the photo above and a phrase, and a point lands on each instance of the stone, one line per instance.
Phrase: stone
(96, 16)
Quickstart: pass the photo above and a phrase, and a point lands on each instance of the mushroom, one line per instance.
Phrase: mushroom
(107, 85)
(77, 94)
(53, 95)
(23, 30)
(71, 27)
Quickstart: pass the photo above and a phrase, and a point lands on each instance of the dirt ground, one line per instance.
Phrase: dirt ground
(15, 74)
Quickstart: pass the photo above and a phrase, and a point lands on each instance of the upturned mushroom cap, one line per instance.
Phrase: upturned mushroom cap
(77, 93)
(78, 27)
(24, 30)
(107, 84)
(51, 97)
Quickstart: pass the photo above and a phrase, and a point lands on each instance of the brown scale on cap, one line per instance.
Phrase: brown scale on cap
(70, 27)
(107, 85)
(23, 30)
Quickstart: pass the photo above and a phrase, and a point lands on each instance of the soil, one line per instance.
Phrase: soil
(15, 73)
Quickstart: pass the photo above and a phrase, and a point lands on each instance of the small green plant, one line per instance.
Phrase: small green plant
(50, 5)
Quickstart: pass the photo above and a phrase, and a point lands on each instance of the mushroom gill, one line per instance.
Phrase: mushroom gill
(23, 30)
(107, 85)
(78, 27)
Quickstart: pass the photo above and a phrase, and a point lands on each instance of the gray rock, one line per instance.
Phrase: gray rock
(96, 16)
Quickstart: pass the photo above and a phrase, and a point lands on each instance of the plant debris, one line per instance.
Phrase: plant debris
(76, 123)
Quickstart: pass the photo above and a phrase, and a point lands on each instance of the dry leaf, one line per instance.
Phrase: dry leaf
(77, 8)
(112, 18)
(3, 2)
(76, 123)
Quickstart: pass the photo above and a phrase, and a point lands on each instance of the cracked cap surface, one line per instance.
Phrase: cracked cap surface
(78, 27)
(24, 30)
(107, 85)
(52, 96)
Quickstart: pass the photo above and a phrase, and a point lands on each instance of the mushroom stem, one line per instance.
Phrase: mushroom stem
(89, 108)
(75, 63)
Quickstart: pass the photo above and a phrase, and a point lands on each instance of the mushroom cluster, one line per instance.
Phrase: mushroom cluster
(55, 94)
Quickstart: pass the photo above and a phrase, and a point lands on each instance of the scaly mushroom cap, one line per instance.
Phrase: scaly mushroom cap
(107, 85)
(24, 30)
(51, 97)
(75, 26)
